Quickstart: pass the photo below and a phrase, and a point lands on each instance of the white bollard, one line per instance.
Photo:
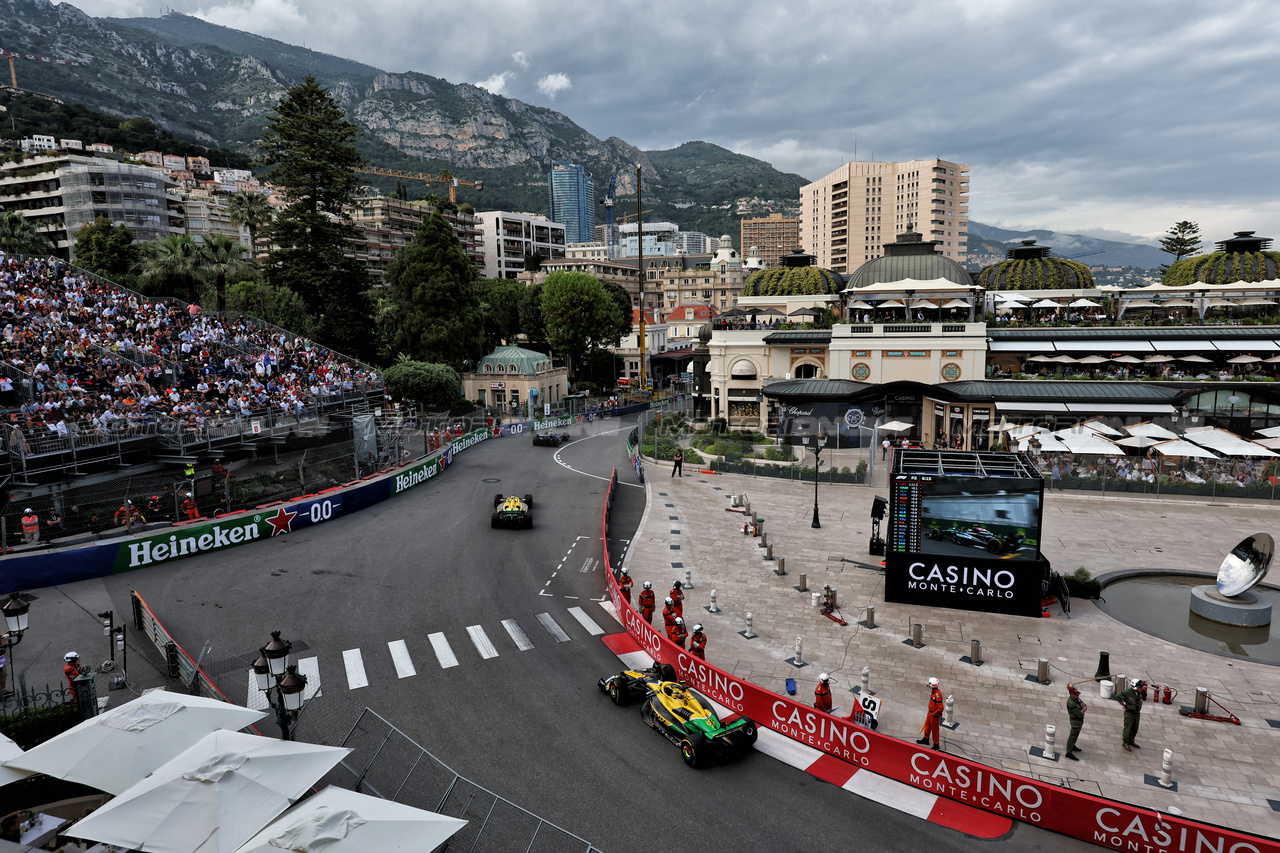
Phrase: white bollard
(711, 608)
(815, 598)
(750, 621)
(1166, 769)
(871, 615)
(688, 578)
(799, 651)
(949, 711)
(866, 681)
(1050, 733)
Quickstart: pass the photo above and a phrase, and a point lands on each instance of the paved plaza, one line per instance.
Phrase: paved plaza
(1225, 773)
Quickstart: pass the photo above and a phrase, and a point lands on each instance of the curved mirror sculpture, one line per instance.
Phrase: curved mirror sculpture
(1246, 565)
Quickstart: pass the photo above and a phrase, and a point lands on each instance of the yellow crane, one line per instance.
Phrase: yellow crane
(442, 178)
(13, 74)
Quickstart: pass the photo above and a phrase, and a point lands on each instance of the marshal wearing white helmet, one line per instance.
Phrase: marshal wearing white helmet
(933, 718)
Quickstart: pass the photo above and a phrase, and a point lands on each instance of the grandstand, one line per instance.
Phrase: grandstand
(97, 380)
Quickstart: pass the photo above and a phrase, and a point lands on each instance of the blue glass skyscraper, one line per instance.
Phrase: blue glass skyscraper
(572, 199)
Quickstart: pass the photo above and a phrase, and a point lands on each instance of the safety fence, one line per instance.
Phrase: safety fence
(179, 666)
(387, 763)
(1092, 818)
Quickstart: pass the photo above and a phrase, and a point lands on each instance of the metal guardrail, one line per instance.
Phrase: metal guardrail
(179, 666)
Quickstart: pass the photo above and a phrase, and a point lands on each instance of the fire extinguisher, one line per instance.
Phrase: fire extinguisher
(746, 528)
(1142, 692)
(1168, 694)
(755, 530)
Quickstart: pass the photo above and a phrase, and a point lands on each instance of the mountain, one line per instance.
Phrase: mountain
(216, 85)
(1090, 251)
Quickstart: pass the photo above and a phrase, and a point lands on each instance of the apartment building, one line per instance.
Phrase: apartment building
(571, 198)
(508, 237)
(772, 236)
(847, 216)
(207, 213)
(384, 226)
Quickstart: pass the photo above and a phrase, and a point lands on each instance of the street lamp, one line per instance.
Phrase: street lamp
(281, 681)
(816, 443)
(15, 619)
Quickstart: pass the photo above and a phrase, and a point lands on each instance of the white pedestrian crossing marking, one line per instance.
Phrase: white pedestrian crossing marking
(444, 654)
(586, 621)
(310, 667)
(480, 640)
(400, 657)
(552, 628)
(518, 636)
(355, 669)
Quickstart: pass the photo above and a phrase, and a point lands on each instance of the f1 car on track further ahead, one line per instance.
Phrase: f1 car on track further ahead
(512, 512)
(550, 439)
(977, 537)
(683, 715)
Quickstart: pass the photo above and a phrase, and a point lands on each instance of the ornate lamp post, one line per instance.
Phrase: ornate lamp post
(15, 619)
(816, 443)
(281, 681)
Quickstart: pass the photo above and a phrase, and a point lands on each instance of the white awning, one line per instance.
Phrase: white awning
(1246, 346)
(1021, 346)
(1121, 408)
(1104, 345)
(1196, 345)
(1020, 406)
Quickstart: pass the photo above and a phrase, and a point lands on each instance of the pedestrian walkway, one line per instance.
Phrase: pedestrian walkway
(1225, 774)
(474, 643)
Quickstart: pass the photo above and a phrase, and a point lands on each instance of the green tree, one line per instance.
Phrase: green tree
(19, 236)
(277, 305)
(308, 143)
(580, 314)
(170, 267)
(532, 324)
(435, 301)
(432, 386)
(106, 249)
(500, 300)
(622, 299)
(1183, 241)
(533, 262)
(220, 256)
(251, 211)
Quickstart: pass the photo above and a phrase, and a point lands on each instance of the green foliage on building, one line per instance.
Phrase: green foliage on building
(1036, 274)
(791, 281)
(1223, 268)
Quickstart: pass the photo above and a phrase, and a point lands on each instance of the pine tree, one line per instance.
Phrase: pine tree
(308, 142)
(435, 301)
(1183, 241)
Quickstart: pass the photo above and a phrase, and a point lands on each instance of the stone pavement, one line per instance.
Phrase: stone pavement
(1225, 774)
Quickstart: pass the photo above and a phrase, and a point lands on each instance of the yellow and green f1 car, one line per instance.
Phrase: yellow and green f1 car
(683, 715)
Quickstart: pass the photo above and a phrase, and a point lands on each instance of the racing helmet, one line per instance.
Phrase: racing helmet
(679, 621)
(70, 656)
(648, 585)
(823, 677)
(28, 510)
(697, 628)
(933, 682)
(668, 600)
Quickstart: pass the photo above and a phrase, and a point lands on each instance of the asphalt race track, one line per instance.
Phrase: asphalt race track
(529, 725)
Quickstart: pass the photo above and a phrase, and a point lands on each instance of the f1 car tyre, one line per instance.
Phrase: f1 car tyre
(528, 522)
(616, 693)
(692, 748)
(994, 546)
(667, 672)
(528, 500)
(932, 533)
(493, 521)
(497, 501)
(750, 733)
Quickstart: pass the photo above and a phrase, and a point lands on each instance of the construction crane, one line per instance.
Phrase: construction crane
(13, 74)
(442, 178)
(625, 218)
(610, 232)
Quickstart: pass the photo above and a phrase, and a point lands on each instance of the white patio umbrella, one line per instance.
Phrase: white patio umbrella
(212, 797)
(1141, 303)
(923, 303)
(1083, 303)
(1045, 303)
(1064, 359)
(1157, 359)
(896, 426)
(1093, 359)
(861, 304)
(1127, 359)
(1271, 432)
(1099, 427)
(1179, 303)
(1219, 303)
(1270, 443)
(1138, 441)
(956, 303)
(1226, 443)
(1045, 442)
(340, 821)
(1041, 358)
(1244, 359)
(9, 749)
(1198, 359)
(1254, 300)
(1178, 447)
(1275, 359)
(892, 303)
(119, 748)
(1019, 433)
(1149, 429)
(1089, 443)
(1014, 300)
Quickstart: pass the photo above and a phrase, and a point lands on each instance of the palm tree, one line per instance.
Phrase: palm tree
(252, 211)
(18, 236)
(174, 261)
(220, 256)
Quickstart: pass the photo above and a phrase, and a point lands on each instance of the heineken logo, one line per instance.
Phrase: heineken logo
(164, 548)
(414, 476)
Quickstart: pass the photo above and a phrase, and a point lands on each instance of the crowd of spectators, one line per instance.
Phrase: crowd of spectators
(1236, 472)
(98, 359)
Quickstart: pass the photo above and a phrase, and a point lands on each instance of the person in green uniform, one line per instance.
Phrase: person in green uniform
(1132, 703)
(1075, 711)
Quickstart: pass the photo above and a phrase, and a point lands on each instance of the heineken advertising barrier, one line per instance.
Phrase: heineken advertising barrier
(1109, 823)
(50, 568)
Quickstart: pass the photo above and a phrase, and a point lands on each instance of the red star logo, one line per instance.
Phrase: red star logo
(497, 432)
(281, 521)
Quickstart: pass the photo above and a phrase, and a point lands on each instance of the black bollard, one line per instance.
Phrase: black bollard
(1104, 665)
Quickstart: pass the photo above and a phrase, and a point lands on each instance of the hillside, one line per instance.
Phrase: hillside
(1090, 251)
(216, 85)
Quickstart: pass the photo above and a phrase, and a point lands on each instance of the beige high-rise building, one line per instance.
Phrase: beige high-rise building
(774, 235)
(846, 217)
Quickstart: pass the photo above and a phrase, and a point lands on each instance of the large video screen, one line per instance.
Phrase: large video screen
(990, 517)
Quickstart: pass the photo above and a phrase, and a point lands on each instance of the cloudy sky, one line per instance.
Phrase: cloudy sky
(1106, 118)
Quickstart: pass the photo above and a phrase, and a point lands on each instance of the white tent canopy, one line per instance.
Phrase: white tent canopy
(1149, 429)
(1226, 443)
(896, 426)
(1178, 447)
(1089, 442)
(119, 748)
(1138, 441)
(1083, 303)
(340, 821)
(1099, 427)
(1046, 442)
(212, 797)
